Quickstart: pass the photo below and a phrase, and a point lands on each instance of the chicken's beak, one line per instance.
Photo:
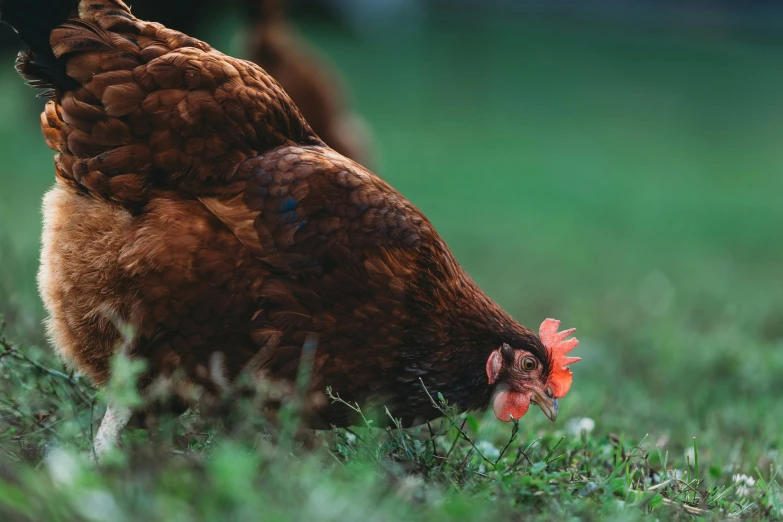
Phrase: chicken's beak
(547, 403)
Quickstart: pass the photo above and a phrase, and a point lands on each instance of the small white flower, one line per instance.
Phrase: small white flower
(744, 484)
(580, 425)
(488, 449)
(744, 479)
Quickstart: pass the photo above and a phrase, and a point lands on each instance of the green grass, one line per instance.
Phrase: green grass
(626, 182)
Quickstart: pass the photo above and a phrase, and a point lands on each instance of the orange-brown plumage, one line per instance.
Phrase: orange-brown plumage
(195, 204)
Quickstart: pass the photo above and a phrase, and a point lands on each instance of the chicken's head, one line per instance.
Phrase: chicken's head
(521, 377)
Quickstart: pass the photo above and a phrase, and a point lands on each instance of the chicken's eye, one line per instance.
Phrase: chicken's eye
(529, 364)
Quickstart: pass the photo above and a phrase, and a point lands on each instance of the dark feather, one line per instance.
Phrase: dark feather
(34, 21)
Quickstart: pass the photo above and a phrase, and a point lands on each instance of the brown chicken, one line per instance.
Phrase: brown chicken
(195, 204)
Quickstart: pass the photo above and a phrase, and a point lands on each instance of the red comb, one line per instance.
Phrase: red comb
(560, 377)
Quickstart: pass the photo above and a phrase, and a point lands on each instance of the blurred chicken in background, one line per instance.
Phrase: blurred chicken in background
(277, 46)
(308, 78)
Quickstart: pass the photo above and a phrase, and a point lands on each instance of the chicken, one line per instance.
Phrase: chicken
(306, 76)
(194, 204)
(308, 79)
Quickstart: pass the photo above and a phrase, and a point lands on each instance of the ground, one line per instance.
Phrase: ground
(625, 181)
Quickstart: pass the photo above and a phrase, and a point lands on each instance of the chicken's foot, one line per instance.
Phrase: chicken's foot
(114, 421)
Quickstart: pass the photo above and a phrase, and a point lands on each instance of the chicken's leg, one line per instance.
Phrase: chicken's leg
(114, 421)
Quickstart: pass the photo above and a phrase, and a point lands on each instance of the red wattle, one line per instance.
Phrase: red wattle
(510, 404)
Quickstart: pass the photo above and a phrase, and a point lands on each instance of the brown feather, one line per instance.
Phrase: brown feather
(195, 204)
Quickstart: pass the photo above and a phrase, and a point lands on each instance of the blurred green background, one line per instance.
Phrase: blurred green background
(623, 177)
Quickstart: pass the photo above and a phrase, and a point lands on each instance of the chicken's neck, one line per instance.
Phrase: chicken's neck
(460, 327)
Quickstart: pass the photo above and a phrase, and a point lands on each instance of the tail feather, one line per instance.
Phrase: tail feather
(33, 21)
